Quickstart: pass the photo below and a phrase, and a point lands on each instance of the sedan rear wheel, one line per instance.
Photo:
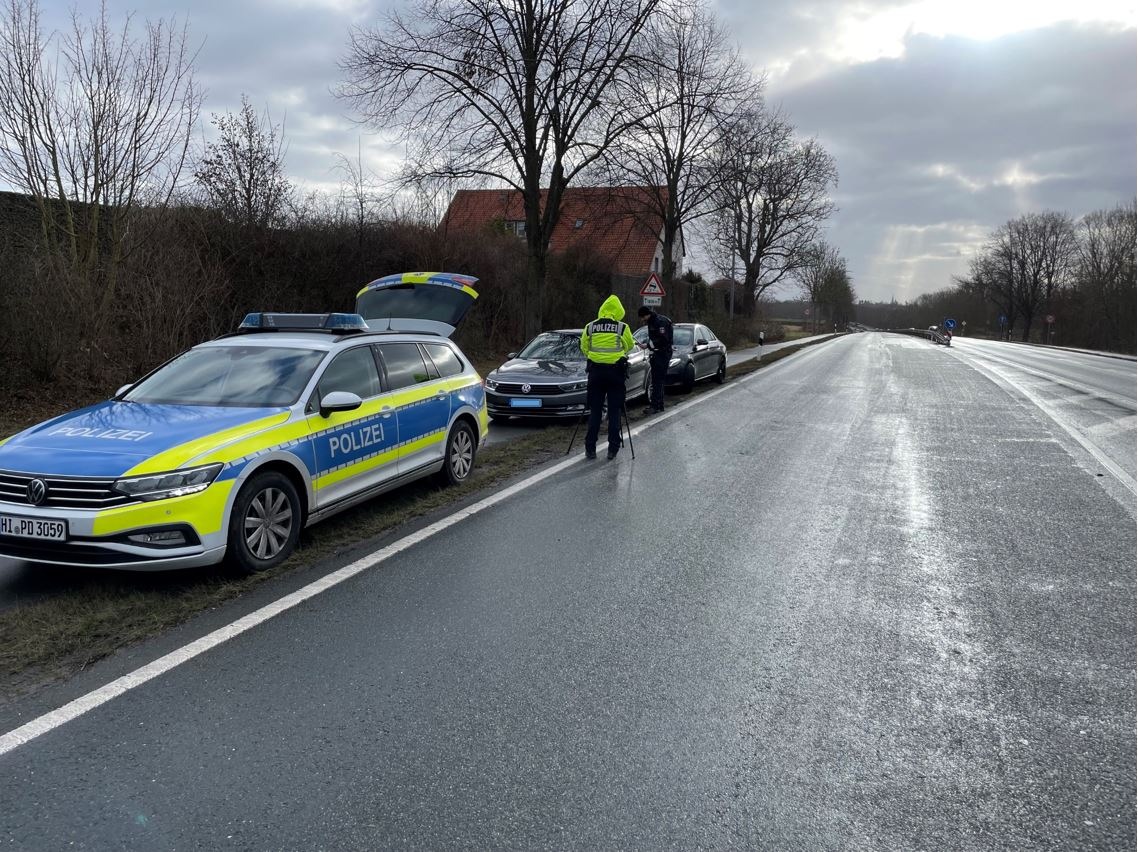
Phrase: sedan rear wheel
(721, 373)
(689, 378)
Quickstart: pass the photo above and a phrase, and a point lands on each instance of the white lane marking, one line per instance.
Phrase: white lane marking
(73, 709)
(1101, 457)
(1120, 401)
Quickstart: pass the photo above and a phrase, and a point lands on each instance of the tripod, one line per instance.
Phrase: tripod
(624, 422)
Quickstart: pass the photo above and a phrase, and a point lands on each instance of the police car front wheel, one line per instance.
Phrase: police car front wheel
(265, 523)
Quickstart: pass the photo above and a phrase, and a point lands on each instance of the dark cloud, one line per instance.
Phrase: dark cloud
(936, 146)
(956, 136)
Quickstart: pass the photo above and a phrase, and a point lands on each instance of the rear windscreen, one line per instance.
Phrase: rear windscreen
(409, 301)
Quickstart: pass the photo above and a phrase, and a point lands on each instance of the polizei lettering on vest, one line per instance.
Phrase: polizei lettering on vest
(356, 440)
(603, 326)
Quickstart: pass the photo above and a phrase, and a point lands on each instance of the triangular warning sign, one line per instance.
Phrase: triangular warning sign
(652, 287)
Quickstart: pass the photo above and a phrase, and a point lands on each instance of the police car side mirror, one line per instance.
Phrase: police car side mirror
(339, 401)
(121, 391)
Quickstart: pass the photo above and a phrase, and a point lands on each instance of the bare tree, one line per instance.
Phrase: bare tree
(525, 94)
(1023, 264)
(1042, 246)
(93, 124)
(357, 191)
(242, 173)
(1108, 274)
(991, 277)
(772, 195)
(823, 279)
(692, 82)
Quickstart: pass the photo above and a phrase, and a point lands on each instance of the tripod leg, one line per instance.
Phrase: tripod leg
(573, 437)
(628, 426)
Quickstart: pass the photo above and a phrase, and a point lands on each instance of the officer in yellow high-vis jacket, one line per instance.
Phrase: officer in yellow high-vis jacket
(606, 342)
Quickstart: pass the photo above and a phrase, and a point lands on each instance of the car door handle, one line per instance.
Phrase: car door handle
(441, 392)
(386, 411)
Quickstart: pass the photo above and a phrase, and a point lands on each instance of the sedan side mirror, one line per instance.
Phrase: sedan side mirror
(339, 401)
(510, 356)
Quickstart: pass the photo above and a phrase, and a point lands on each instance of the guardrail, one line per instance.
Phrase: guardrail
(927, 333)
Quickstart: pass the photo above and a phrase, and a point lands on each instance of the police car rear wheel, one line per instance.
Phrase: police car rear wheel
(459, 454)
(265, 523)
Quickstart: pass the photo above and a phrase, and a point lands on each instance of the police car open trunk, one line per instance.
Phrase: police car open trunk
(431, 302)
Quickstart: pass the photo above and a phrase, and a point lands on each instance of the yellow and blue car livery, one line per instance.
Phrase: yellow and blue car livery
(233, 446)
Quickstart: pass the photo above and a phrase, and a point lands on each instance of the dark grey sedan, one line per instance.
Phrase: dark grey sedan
(547, 378)
(697, 354)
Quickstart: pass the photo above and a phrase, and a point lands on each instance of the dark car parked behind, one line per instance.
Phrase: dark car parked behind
(547, 378)
(697, 354)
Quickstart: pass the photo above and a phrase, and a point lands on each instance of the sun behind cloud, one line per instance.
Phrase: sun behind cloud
(865, 33)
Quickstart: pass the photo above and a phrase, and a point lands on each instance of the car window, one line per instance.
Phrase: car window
(702, 333)
(238, 375)
(710, 335)
(681, 336)
(353, 371)
(641, 334)
(552, 346)
(447, 363)
(404, 365)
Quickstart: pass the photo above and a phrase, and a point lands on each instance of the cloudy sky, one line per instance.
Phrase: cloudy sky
(946, 117)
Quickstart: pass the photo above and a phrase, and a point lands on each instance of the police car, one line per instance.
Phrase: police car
(229, 449)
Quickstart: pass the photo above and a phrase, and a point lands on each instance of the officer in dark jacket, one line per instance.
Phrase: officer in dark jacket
(660, 351)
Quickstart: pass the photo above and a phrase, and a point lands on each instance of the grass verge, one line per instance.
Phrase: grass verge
(70, 618)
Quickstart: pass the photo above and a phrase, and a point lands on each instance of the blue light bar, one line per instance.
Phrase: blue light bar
(334, 323)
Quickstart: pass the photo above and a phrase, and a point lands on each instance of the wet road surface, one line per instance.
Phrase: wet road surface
(819, 610)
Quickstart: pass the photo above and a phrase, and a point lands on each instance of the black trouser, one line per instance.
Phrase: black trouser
(606, 383)
(659, 362)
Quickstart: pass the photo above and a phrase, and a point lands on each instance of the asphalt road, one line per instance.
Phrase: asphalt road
(821, 609)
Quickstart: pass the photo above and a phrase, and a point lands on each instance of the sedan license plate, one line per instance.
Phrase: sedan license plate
(525, 403)
(47, 530)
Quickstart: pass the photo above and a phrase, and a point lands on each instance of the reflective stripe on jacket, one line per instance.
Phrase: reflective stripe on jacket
(606, 339)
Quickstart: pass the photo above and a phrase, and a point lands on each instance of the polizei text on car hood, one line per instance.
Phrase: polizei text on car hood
(116, 438)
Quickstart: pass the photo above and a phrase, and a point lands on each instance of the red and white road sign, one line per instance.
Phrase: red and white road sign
(652, 287)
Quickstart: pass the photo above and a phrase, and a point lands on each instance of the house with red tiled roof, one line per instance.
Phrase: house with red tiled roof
(619, 224)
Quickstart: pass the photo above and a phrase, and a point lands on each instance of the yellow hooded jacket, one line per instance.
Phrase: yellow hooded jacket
(606, 339)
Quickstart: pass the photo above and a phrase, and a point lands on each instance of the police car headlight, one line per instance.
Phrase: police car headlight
(176, 483)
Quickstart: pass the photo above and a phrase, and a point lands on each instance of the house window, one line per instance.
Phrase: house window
(516, 226)
(656, 264)
(578, 224)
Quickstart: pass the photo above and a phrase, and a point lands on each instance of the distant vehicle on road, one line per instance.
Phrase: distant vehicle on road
(697, 354)
(547, 378)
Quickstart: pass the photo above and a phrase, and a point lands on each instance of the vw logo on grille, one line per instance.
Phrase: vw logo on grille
(37, 492)
(527, 388)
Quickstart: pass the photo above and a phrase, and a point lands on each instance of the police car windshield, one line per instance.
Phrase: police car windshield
(552, 346)
(252, 376)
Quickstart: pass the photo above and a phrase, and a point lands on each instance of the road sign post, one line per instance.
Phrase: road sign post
(652, 286)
